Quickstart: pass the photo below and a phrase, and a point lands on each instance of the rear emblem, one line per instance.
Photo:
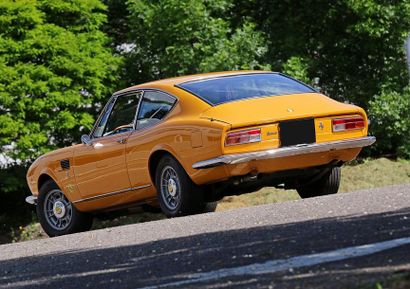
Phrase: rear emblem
(290, 110)
(321, 125)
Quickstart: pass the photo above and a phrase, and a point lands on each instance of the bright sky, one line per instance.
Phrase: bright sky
(3, 160)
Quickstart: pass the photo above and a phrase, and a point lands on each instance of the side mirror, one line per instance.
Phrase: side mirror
(85, 139)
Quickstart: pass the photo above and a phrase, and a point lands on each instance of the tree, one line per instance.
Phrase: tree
(353, 47)
(55, 69)
(173, 37)
(116, 26)
(390, 112)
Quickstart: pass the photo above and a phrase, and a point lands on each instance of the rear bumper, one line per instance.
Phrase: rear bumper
(285, 152)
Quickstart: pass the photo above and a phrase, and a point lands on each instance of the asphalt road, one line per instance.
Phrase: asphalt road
(338, 241)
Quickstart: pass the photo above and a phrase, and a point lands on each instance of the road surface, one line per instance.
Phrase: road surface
(338, 241)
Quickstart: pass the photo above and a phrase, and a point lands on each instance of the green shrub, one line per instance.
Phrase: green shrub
(297, 67)
(389, 113)
(174, 37)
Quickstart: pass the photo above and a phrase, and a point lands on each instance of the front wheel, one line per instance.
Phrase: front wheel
(326, 185)
(57, 214)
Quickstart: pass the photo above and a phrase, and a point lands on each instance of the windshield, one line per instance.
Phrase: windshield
(230, 88)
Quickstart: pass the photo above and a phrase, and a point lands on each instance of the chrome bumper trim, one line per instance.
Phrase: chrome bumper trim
(32, 200)
(285, 152)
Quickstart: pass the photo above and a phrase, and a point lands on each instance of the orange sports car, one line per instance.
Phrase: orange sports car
(184, 143)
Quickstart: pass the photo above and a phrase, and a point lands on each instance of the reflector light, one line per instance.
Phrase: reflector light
(348, 123)
(242, 137)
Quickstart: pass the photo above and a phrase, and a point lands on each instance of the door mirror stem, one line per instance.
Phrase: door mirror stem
(85, 139)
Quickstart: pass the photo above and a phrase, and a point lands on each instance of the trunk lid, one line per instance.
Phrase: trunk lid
(263, 110)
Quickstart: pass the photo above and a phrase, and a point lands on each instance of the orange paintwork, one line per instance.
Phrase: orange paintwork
(193, 131)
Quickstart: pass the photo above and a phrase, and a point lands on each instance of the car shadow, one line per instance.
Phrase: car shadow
(170, 260)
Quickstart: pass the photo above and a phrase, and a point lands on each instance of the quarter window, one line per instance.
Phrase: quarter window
(155, 106)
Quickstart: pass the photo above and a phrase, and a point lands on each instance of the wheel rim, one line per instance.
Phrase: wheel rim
(170, 188)
(58, 211)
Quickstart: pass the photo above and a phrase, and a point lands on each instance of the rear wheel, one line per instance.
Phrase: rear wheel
(326, 185)
(208, 207)
(57, 214)
(177, 194)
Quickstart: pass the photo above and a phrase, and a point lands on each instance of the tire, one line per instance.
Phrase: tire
(63, 217)
(177, 194)
(208, 207)
(328, 184)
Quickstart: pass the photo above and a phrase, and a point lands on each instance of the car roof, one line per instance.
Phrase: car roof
(172, 82)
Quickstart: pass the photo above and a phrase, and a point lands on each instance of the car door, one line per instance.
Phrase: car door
(100, 168)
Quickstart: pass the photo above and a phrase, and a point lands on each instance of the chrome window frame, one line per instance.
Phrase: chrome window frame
(114, 98)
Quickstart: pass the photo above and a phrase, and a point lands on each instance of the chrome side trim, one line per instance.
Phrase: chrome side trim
(32, 200)
(111, 194)
(285, 152)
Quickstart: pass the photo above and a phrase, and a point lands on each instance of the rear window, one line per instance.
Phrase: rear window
(230, 88)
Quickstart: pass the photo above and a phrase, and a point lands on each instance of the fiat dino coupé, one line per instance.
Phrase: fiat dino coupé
(184, 143)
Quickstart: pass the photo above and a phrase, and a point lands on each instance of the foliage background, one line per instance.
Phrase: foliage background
(60, 60)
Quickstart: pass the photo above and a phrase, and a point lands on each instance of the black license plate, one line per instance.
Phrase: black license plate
(294, 132)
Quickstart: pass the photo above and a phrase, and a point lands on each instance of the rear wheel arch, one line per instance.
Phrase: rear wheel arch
(154, 160)
(179, 196)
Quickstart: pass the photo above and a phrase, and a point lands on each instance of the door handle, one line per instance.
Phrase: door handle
(122, 141)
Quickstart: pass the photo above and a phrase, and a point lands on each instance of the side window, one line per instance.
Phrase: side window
(121, 118)
(155, 106)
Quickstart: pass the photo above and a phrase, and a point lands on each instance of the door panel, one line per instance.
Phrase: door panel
(100, 168)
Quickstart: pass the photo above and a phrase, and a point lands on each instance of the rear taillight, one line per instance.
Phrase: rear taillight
(242, 137)
(348, 123)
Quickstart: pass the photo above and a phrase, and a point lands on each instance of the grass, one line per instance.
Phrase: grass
(364, 174)
(358, 175)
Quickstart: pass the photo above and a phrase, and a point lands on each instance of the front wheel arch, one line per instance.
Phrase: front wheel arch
(78, 221)
(43, 178)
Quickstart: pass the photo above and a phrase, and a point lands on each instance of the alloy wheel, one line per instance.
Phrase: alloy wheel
(170, 188)
(58, 210)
